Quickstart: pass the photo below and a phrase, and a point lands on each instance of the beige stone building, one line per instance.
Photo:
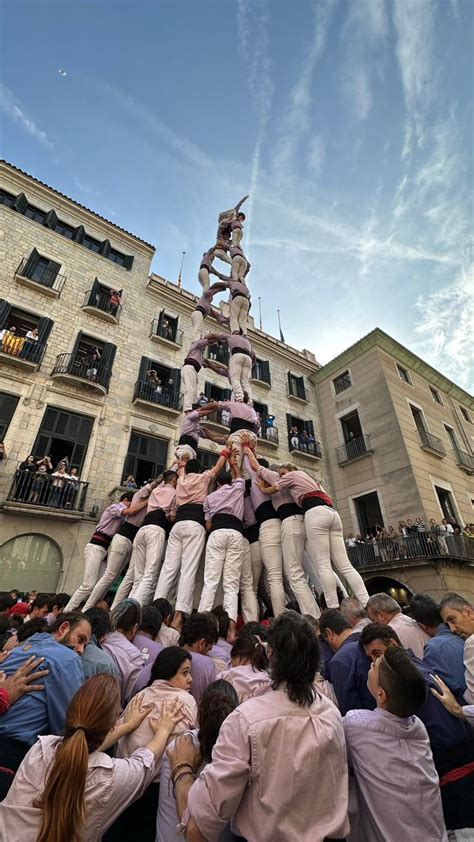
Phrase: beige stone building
(83, 322)
(81, 391)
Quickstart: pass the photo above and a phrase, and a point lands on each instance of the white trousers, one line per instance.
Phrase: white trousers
(309, 567)
(239, 308)
(272, 557)
(93, 558)
(123, 590)
(257, 564)
(118, 555)
(183, 553)
(224, 554)
(189, 383)
(148, 549)
(248, 597)
(236, 441)
(292, 544)
(240, 372)
(239, 268)
(197, 321)
(326, 544)
(204, 278)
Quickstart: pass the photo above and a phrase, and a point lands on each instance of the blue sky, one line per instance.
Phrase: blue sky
(350, 123)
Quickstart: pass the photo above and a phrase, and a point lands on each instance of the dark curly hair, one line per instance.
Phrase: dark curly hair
(294, 658)
(249, 647)
(218, 701)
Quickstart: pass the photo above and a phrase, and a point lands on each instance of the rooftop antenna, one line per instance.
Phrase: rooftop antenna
(260, 311)
(180, 279)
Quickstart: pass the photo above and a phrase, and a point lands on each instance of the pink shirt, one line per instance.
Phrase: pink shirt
(111, 519)
(299, 484)
(411, 635)
(196, 350)
(246, 681)
(236, 287)
(235, 341)
(205, 302)
(191, 488)
(128, 660)
(281, 498)
(239, 409)
(249, 513)
(220, 654)
(148, 648)
(469, 674)
(396, 782)
(203, 673)
(167, 636)
(142, 494)
(111, 785)
(159, 692)
(162, 497)
(191, 426)
(278, 772)
(257, 496)
(228, 499)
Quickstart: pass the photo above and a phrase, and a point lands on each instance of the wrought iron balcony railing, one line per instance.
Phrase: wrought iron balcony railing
(48, 278)
(431, 443)
(21, 348)
(76, 365)
(102, 300)
(166, 331)
(353, 449)
(34, 488)
(167, 398)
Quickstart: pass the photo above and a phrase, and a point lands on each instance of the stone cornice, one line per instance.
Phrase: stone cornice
(378, 339)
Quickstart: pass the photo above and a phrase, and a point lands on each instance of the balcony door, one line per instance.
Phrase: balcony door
(146, 458)
(64, 435)
(369, 514)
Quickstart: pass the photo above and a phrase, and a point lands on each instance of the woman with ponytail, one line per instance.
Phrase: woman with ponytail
(249, 663)
(67, 789)
(217, 702)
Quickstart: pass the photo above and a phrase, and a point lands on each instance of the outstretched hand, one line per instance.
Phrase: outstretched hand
(135, 713)
(22, 681)
(171, 713)
(446, 697)
(184, 752)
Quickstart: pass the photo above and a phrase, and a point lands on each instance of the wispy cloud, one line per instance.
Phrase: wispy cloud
(297, 118)
(16, 111)
(444, 329)
(415, 27)
(365, 30)
(85, 188)
(316, 153)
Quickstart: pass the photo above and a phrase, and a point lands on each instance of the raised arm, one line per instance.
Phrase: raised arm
(220, 462)
(239, 204)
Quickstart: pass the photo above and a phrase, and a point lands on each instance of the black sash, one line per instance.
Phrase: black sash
(100, 539)
(312, 502)
(193, 363)
(240, 351)
(287, 510)
(227, 521)
(128, 530)
(187, 439)
(241, 424)
(251, 533)
(190, 511)
(265, 511)
(156, 517)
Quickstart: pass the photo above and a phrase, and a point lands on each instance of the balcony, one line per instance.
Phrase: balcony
(431, 444)
(21, 352)
(46, 281)
(166, 333)
(220, 418)
(465, 461)
(353, 450)
(395, 551)
(299, 396)
(310, 449)
(219, 353)
(149, 394)
(41, 493)
(268, 436)
(98, 303)
(74, 369)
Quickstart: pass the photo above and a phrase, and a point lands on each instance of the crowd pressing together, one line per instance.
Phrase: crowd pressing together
(354, 726)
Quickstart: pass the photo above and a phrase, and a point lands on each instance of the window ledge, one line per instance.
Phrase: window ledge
(19, 362)
(170, 343)
(171, 410)
(344, 462)
(270, 442)
(100, 314)
(37, 286)
(432, 451)
(313, 457)
(74, 380)
(296, 398)
(262, 383)
(42, 511)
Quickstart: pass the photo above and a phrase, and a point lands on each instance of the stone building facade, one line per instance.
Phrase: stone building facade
(60, 263)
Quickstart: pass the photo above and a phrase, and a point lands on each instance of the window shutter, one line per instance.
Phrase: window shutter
(175, 375)
(290, 383)
(266, 372)
(107, 361)
(94, 294)
(145, 364)
(20, 203)
(5, 309)
(79, 234)
(207, 390)
(227, 394)
(301, 392)
(30, 264)
(289, 422)
(160, 320)
(76, 346)
(105, 248)
(308, 426)
(51, 273)
(51, 220)
(128, 261)
(44, 329)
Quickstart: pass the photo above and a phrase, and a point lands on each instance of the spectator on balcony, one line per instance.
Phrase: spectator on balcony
(40, 485)
(24, 478)
(383, 609)
(29, 347)
(294, 438)
(57, 487)
(91, 361)
(71, 489)
(154, 382)
(3, 452)
(167, 330)
(130, 482)
(114, 301)
(202, 400)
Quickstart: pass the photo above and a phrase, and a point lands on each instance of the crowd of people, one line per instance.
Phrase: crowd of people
(354, 726)
(412, 539)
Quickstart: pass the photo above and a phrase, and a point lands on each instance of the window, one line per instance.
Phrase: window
(219, 353)
(117, 257)
(261, 371)
(15, 324)
(369, 514)
(436, 396)
(35, 213)
(216, 393)
(8, 404)
(146, 458)
(65, 230)
(262, 411)
(296, 386)
(41, 269)
(100, 297)
(446, 502)
(356, 444)
(64, 435)
(342, 382)
(452, 437)
(207, 458)
(403, 374)
(30, 561)
(419, 419)
(91, 244)
(158, 383)
(6, 198)
(301, 436)
(351, 427)
(465, 414)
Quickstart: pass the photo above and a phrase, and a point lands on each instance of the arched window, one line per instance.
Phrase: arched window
(30, 562)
